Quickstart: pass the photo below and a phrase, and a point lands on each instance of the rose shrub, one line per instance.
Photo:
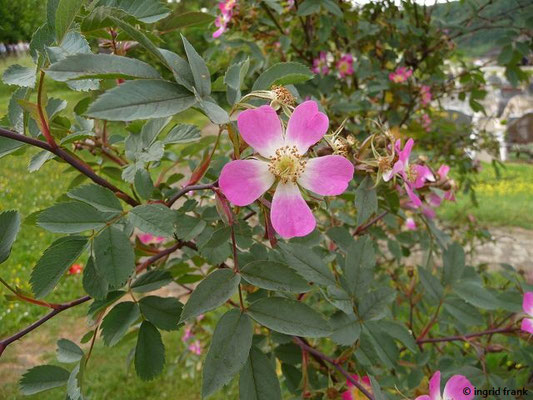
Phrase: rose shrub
(299, 220)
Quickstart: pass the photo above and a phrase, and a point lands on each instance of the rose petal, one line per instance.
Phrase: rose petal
(434, 386)
(443, 171)
(423, 397)
(347, 395)
(404, 154)
(527, 304)
(261, 129)
(328, 175)
(455, 388)
(290, 214)
(243, 181)
(527, 325)
(306, 126)
(412, 196)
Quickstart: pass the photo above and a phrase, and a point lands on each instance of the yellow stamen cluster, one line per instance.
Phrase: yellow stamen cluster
(287, 165)
(412, 173)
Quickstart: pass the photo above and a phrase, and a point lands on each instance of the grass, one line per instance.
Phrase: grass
(503, 201)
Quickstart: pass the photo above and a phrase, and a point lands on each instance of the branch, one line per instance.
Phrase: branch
(188, 189)
(465, 338)
(65, 306)
(60, 307)
(333, 362)
(362, 228)
(73, 161)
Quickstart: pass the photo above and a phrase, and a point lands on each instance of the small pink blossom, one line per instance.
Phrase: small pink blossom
(345, 66)
(400, 75)
(414, 176)
(426, 122)
(527, 305)
(187, 334)
(410, 224)
(455, 389)
(195, 347)
(282, 159)
(320, 64)
(353, 393)
(200, 317)
(75, 269)
(223, 19)
(147, 238)
(425, 95)
(443, 174)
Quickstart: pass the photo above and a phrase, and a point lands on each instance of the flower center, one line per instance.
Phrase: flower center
(412, 173)
(287, 164)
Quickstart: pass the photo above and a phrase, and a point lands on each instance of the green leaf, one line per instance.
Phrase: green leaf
(15, 114)
(8, 146)
(141, 99)
(94, 283)
(399, 332)
(114, 256)
(191, 18)
(71, 217)
(308, 7)
(477, 295)
(155, 219)
(453, 259)
(462, 311)
(366, 200)
(149, 352)
(375, 305)
(18, 75)
(75, 381)
(163, 312)
(272, 275)
(99, 305)
(228, 352)
(346, 328)
(55, 261)
(234, 79)
(39, 159)
(188, 227)
(65, 13)
(200, 73)
(151, 280)
(307, 263)
(258, 379)
(290, 317)
(430, 283)
(214, 112)
(359, 266)
(382, 344)
(180, 69)
(283, 74)
(9, 228)
(43, 36)
(147, 11)
(68, 351)
(144, 186)
(182, 133)
(212, 292)
(97, 196)
(100, 66)
(41, 378)
(117, 322)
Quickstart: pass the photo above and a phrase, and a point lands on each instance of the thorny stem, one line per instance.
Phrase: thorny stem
(362, 228)
(465, 338)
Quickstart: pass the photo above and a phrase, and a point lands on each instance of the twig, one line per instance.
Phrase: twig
(75, 162)
(362, 228)
(61, 307)
(188, 189)
(335, 364)
(508, 329)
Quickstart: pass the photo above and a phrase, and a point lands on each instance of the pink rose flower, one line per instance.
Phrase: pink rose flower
(426, 122)
(410, 224)
(147, 238)
(425, 95)
(527, 305)
(413, 176)
(353, 393)
(187, 334)
(195, 347)
(345, 65)
(281, 159)
(320, 64)
(400, 75)
(222, 20)
(453, 390)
